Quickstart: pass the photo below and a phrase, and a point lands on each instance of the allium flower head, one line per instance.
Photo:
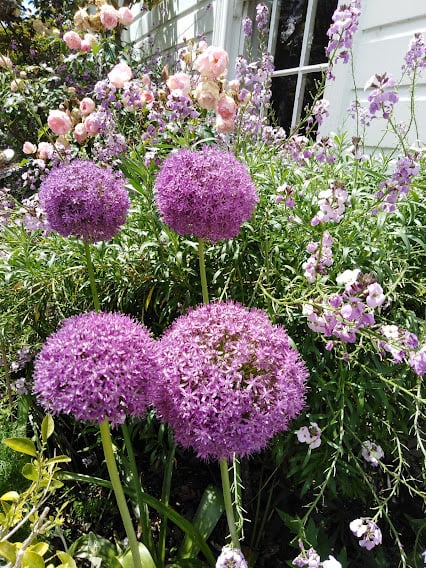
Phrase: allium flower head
(84, 200)
(207, 193)
(96, 367)
(230, 381)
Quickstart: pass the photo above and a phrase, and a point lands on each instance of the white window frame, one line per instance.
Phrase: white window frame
(303, 68)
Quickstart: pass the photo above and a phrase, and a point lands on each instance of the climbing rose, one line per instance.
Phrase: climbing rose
(120, 74)
(109, 16)
(231, 380)
(72, 40)
(96, 367)
(207, 193)
(212, 62)
(59, 122)
(84, 200)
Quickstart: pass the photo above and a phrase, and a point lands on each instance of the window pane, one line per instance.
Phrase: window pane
(290, 33)
(324, 14)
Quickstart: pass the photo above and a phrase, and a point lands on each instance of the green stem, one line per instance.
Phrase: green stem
(228, 503)
(203, 271)
(92, 277)
(119, 493)
(143, 507)
(165, 496)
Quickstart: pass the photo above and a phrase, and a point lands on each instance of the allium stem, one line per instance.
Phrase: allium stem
(143, 507)
(92, 277)
(119, 493)
(226, 488)
(203, 271)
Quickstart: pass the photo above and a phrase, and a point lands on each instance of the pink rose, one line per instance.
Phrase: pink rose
(91, 124)
(125, 16)
(80, 133)
(179, 84)
(120, 74)
(45, 150)
(226, 106)
(85, 46)
(29, 148)
(59, 122)
(72, 39)
(109, 16)
(212, 62)
(224, 124)
(234, 85)
(207, 94)
(87, 105)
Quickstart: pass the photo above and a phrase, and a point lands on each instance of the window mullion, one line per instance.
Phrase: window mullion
(304, 60)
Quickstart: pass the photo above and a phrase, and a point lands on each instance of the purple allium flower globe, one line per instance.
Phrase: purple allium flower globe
(84, 200)
(230, 380)
(206, 193)
(97, 366)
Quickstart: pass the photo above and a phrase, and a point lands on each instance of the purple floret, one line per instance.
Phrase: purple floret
(96, 367)
(206, 193)
(84, 200)
(230, 381)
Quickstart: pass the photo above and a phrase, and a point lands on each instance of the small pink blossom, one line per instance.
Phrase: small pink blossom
(29, 148)
(85, 46)
(212, 62)
(91, 124)
(109, 16)
(59, 122)
(225, 124)
(372, 452)
(73, 40)
(179, 84)
(45, 150)
(120, 74)
(207, 94)
(5, 62)
(87, 105)
(375, 296)
(125, 16)
(91, 39)
(226, 107)
(80, 133)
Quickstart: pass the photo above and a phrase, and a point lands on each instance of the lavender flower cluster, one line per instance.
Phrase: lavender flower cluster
(344, 314)
(84, 200)
(367, 531)
(415, 58)
(345, 23)
(321, 257)
(331, 203)
(206, 193)
(383, 96)
(398, 186)
(231, 558)
(312, 559)
(230, 382)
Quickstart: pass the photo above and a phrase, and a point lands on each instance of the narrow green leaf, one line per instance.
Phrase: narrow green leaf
(22, 445)
(126, 560)
(58, 459)
(47, 427)
(66, 559)
(209, 511)
(10, 496)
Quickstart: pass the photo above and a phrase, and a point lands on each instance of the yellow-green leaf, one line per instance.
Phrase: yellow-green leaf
(32, 560)
(29, 471)
(8, 551)
(10, 496)
(47, 427)
(66, 559)
(22, 445)
(58, 459)
(40, 548)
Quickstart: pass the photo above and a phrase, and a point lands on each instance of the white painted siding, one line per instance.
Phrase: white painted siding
(173, 22)
(385, 30)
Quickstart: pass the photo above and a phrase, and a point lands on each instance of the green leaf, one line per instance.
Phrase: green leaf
(58, 459)
(93, 546)
(47, 427)
(10, 496)
(66, 559)
(22, 445)
(209, 511)
(126, 560)
(40, 548)
(32, 560)
(29, 471)
(8, 551)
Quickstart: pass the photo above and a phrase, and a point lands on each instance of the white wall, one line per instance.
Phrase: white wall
(385, 30)
(173, 22)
